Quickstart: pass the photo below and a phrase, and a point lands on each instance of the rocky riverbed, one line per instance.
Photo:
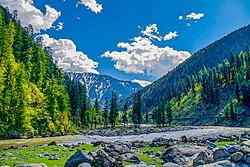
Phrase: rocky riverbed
(206, 146)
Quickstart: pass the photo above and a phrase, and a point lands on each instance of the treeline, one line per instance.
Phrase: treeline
(33, 97)
(204, 93)
(91, 114)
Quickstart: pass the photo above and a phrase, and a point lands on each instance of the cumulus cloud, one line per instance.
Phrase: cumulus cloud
(171, 35)
(59, 26)
(194, 16)
(67, 57)
(141, 56)
(180, 17)
(29, 14)
(142, 83)
(152, 32)
(91, 5)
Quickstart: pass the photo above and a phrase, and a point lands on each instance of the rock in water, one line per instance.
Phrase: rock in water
(84, 165)
(78, 158)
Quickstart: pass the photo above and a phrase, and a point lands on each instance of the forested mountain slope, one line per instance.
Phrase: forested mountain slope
(210, 56)
(33, 97)
(213, 96)
(101, 86)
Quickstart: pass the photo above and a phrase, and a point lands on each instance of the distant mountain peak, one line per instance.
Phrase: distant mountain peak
(101, 86)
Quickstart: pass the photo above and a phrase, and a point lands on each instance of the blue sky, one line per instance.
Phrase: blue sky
(96, 33)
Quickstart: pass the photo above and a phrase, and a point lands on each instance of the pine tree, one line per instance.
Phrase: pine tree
(113, 110)
(169, 113)
(136, 110)
(125, 115)
(97, 109)
(105, 113)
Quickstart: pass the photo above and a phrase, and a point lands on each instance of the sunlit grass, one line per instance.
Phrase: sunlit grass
(154, 149)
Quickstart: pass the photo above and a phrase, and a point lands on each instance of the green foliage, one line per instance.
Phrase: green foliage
(113, 114)
(137, 110)
(33, 97)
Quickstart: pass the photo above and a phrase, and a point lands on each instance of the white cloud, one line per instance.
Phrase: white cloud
(195, 16)
(141, 56)
(142, 83)
(180, 17)
(67, 57)
(171, 35)
(91, 5)
(152, 32)
(59, 26)
(29, 14)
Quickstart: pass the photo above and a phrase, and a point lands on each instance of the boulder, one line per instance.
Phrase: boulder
(121, 149)
(246, 160)
(220, 153)
(103, 159)
(200, 159)
(54, 157)
(170, 164)
(129, 157)
(210, 145)
(21, 164)
(53, 143)
(233, 148)
(246, 143)
(182, 154)
(84, 165)
(141, 164)
(236, 157)
(78, 158)
(224, 163)
(245, 149)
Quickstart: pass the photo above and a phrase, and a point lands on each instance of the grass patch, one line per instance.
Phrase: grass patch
(154, 149)
(125, 163)
(224, 143)
(149, 160)
(31, 155)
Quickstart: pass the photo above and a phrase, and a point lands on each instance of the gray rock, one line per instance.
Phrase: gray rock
(200, 159)
(54, 157)
(245, 149)
(78, 158)
(84, 165)
(233, 148)
(170, 164)
(224, 163)
(246, 160)
(236, 157)
(210, 145)
(182, 154)
(246, 143)
(129, 157)
(220, 153)
(141, 164)
(21, 164)
(8, 154)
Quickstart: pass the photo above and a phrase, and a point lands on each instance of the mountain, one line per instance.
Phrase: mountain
(167, 86)
(101, 86)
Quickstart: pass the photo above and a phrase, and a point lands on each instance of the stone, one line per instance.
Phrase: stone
(53, 143)
(54, 157)
(233, 148)
(84, 165)
(220, 153)
(8, 154)
(210, 145)
(141, 164)
(224, 163)
(247, 160)
(170, 164)
(121, 149)
(182, 154)
(78, 158)
(129, 157)
(245, 149)
(236, 157)
(246, 143)
(200, 159)
(21, 164)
